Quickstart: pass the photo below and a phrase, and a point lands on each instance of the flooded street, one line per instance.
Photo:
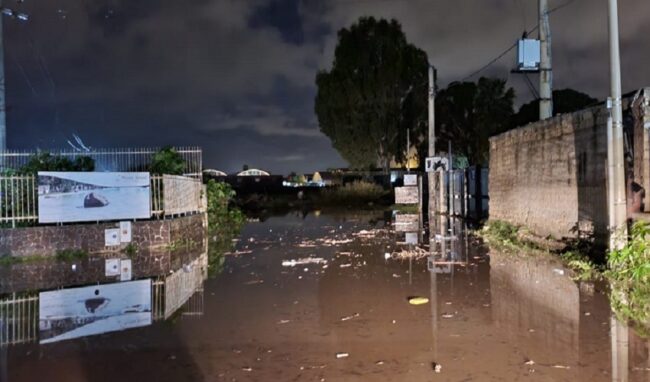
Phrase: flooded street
(325, 297)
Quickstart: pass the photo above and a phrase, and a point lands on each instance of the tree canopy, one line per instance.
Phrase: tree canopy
(468, 113)
(564, 101)
(167, 161)
(375, 91)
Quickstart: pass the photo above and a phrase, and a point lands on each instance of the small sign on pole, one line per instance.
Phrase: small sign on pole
(125, 232)
(112, 237)
(406, 195)
(112, 267)
(433, 163)
(125, 270)
(410, 180)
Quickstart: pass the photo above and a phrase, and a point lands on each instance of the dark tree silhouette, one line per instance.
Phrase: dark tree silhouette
(468, 113)
(564, 101)
(375, 91)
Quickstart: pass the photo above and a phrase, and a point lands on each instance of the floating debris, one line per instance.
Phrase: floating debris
(342, 355)
(418, 300)
(346, 318)
(529, 362)
(282, 322)
(379, 363)
(447, 315)
(303, 261)
(345, 265)
(436, 367)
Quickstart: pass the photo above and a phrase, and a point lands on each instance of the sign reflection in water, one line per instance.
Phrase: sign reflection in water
(80, 312)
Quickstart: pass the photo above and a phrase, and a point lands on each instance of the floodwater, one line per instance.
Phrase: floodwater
(324, 297)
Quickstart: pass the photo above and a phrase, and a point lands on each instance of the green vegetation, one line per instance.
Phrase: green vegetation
(130, 249)
(65, 255)
(629, 276)
(224, 224)
(47, 162)
(71, 255)
(182, 244)
(406, 208)
(167, 161)
(357, 193)
(510, 238)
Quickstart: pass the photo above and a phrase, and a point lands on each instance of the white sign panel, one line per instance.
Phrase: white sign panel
(79, 312)
(112, 267)
(410, 180)
(407, 195)
(125, 232)
(112, 237)
(92, 196)
(411, 238)
(125, 273)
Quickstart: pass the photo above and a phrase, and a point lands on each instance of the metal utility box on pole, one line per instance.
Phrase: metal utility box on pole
(545, 65)
(618, 210)
(432, 136)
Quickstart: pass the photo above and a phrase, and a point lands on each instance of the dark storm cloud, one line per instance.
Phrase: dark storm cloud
(237, 76)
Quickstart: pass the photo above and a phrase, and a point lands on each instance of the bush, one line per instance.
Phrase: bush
(629, 276)
(167, 161)
(358, 192)
(47, 162)
(224, 223)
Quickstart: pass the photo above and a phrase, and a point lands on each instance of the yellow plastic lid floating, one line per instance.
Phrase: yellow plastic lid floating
(418, 300)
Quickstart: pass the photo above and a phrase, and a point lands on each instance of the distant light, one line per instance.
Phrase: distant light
(7, 11)
(22, 16)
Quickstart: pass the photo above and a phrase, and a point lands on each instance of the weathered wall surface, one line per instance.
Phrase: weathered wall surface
(551, 176)
(48, 240)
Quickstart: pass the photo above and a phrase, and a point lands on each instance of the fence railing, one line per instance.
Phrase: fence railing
(18, 319)
(18, 199)
(116, 160)
(170, 196)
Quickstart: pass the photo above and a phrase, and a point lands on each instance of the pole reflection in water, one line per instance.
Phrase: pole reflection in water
(620, 351)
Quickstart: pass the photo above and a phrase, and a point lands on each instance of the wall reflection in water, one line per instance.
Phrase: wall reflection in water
(533, 308)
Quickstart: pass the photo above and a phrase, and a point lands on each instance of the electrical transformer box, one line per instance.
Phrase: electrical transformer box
(528, 55)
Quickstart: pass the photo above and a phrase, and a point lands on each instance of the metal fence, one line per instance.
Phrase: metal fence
(18, 319)
(19, 198)
(116, 160)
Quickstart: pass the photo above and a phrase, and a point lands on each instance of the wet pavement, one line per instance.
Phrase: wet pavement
(324, 297)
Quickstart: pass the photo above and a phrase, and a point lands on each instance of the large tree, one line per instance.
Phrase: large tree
(564, 101)
(375, 91)
(468, 113)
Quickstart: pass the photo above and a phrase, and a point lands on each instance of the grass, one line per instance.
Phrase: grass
(355, 193)
(71, 255)
(629, 277)
(130, 249)
(511, 238)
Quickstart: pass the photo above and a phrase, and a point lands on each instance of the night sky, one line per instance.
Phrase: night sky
(237, 77)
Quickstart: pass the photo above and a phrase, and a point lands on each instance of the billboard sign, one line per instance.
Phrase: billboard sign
(92, 196)
(79, 312)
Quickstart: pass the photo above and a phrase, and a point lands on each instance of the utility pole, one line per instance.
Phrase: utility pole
(3, 80)
(545, 65)
(432, 137)
(618, 210)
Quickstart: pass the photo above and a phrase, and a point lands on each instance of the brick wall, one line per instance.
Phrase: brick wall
(550, 176)
(47, 240)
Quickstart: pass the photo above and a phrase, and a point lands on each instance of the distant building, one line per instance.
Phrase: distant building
(253, 172)
(214, 173)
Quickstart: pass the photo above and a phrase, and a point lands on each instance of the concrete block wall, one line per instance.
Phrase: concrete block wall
(48, 240)
(550, 176)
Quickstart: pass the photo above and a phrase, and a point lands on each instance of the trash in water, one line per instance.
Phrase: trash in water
(284, 322)
(247, 368)
(436, 367)
(303, 261)
(529, 362)
(418, 300)
(342, 355)
(379, 363)
(447, 315)
(558, 271)
(345, 265)
(346, 318)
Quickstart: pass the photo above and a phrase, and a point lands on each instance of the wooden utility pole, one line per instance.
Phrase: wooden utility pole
(616, 154)
(545, 65)
(3, 85)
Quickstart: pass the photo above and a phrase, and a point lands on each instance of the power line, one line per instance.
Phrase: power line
(511, 47)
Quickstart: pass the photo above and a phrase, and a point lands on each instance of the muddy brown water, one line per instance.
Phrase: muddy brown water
(491, 317)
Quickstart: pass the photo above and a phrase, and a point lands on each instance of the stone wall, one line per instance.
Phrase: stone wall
(550, 176)
(48, 240)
